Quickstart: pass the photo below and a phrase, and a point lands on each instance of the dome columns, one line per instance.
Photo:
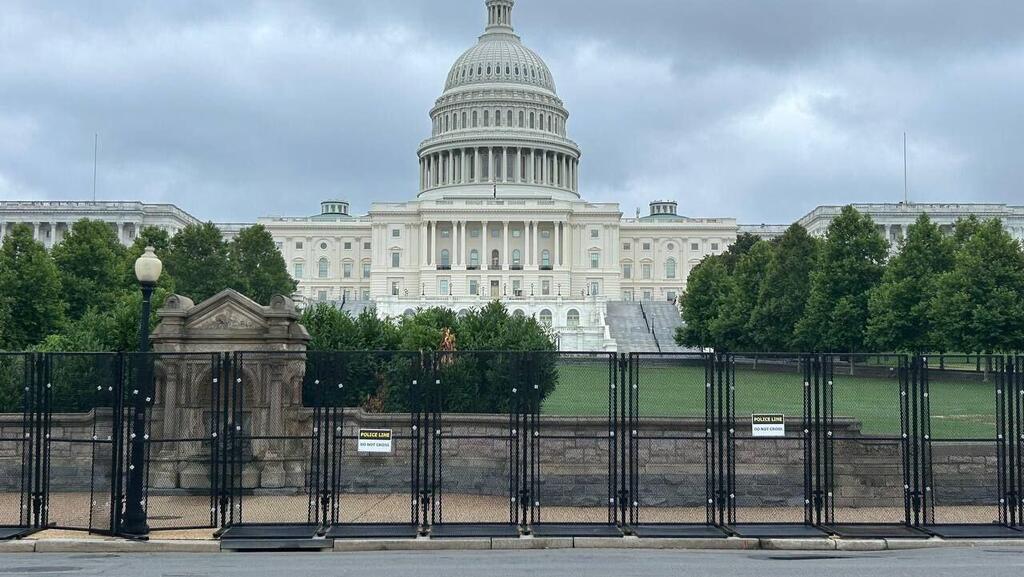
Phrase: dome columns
(499, 165)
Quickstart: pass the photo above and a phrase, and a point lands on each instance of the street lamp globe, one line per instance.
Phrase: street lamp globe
(148, 267)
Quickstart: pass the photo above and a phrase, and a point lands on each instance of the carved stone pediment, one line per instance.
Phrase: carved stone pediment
(226, 317)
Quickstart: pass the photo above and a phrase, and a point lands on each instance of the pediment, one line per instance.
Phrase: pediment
(227, 310)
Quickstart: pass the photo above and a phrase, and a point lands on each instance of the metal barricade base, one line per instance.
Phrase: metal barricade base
(468, 530)
(271, 532)
(571, 530)
(974, 532)
(875, 531)
(782, 531)
(7, 533)
(679, 531)
(357, 531)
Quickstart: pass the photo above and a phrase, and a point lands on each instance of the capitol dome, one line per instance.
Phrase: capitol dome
(498, 127)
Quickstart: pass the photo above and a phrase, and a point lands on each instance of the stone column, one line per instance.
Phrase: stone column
(528, 261)
(433, 242)
(536, 243)
(505, 261)
(558, 245)
(462, 238)
(423, 243)
(504, 164)
(490, 164)
(485, 257)
(531, 169)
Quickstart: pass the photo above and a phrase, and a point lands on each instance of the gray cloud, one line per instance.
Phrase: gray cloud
(754, 109)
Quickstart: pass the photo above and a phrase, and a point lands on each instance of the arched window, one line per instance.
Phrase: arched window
(522, 115)
(445, 257)
(545, 317)
(494, 258)
(545, 257)
(487, 118)
(324, 268)
(519, 313)
(670, 268)
(497, 118)
(572, 319)
(508, 117)
(474, 257)
(463, 123)
(516, 257)
(532, 118)
(542, 122)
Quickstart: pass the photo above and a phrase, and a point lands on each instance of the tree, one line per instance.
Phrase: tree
(979, 306)
(260, 268)
(115, 329)
(850, 265)
(90, 263)
(30, 291)
(783, 296)
(700, 302)
(900, 308)
(744, 242)
(732, 328)
(198, 262)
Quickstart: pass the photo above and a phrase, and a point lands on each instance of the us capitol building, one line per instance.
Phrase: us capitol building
(498, 215)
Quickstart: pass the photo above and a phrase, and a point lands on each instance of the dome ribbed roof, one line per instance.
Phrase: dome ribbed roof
(500, 58)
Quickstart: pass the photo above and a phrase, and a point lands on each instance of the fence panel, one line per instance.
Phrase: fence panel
(577, 453)
(674, 467)
(20, 497)
(1015, 440)
(477, 399)
(770, 450)
(965, 449)
(181, 394)
(83, 454)
(273, 470)
(373, 412)
(870, 458)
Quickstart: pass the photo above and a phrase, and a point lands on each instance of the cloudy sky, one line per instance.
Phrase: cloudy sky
(756, 109)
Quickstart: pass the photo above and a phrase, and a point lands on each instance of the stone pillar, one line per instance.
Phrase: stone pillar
(490, 164)
(432, 256)
(536, 243)
(528, 260)
(504, 164)
(485, 257)
(423, 243)
(558, 246)
(505, 261)
(462, 239)
(476, 164)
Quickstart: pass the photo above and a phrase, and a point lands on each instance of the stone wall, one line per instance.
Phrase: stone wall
(474, 459)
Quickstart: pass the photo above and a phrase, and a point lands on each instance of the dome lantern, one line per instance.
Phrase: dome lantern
(499, 16)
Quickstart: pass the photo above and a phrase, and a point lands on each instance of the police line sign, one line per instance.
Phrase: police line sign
(768, 425)
(374, 441)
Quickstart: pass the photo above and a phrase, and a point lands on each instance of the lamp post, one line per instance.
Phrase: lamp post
(147, 270)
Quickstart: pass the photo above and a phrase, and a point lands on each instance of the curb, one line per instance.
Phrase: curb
(512, 544)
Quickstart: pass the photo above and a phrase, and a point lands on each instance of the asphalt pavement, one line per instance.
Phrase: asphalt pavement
(991, 562)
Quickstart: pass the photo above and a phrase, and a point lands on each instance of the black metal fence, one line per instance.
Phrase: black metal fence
(394, 444)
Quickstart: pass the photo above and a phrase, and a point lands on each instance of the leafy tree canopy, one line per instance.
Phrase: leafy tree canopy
(31, 298)
(783, 295)
(260, 268)
(90, 263)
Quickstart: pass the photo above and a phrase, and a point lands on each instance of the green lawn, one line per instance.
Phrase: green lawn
(959, 409)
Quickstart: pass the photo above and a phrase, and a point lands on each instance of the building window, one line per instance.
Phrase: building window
(446, 258)
(366, 246)
(366, 270)
(545, 234)
(594, 233)
(322, 296)
(694, 247)
(545, 258)
(474, 119)
(595, 259)
(474, 286)
(516, 257)
(714, 246)
(572, 319)
(323, 268)
(495, 233)
(627, 271)
(670, 268)
(595, 288)
(346, 269)
(297, 270)
(279, 245)
(545, 287)
(545, 317)
(446, 233)
(645, 270)
(348, 246)
(494, 259)
(323, 246)
(366, 294)
(516, 233)
(627, 246)
(443, 286)
(517, 287)
(474, 258)
(396, 260)
(474, 233)
(298, 245)
(394, 288)
(647, 246)
(396, 233)
(647, 295)
(671, 246)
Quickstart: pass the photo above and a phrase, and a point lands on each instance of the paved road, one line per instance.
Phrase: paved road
(561, 563)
